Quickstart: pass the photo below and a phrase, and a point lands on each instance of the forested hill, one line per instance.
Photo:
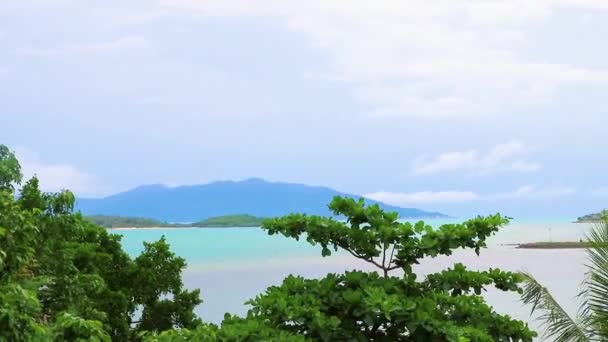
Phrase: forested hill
(230, 221)
(141, 222)
(255, 197)
(596, 217)
(125, 221)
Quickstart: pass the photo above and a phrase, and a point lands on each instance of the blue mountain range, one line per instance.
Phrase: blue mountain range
(198, 202)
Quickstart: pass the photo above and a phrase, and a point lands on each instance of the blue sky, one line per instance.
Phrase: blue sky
(460, 106)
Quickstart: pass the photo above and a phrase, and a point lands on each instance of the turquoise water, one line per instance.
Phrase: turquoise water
(200, 246)
(233, 265)
(226, 245)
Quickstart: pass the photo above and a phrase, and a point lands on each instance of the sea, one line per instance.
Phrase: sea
(232, 265)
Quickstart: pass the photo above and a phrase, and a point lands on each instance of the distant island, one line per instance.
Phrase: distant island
(596, 217)
(226, 221)
(557, 245)
(108, 221)
(230, 221)
(253, 196)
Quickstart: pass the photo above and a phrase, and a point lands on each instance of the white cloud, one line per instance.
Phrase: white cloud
(123, 43)
(422, 197)
(427, 58)
(425, 197)
(56, 177)
(507, 157)
(529, 191)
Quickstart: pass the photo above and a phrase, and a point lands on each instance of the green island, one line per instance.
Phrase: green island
(231, 221)
(593, 218)
(108, 221)
(226, 221)
(559, 245)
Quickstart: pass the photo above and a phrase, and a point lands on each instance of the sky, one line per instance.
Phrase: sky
(465, 107)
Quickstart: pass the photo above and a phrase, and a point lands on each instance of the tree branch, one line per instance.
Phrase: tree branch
(393, 268)
(383, 255)
(370, 260)
(390, 260)
(374, 262)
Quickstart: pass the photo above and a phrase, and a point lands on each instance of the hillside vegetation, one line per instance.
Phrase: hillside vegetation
(231, 221)
(108, 221)
(227, 221)
(595, 217)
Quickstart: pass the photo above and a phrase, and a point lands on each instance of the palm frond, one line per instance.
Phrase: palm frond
(596, 280)
(559, 326)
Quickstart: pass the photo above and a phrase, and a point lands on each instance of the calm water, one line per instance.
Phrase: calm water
(233, 265)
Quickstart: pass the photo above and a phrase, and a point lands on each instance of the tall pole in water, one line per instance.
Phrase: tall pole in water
(550, 237)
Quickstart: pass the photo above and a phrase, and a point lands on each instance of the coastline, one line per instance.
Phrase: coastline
(176, 228)
(139, 228)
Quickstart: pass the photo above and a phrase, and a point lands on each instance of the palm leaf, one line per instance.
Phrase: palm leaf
(596, 281)
(559, 326)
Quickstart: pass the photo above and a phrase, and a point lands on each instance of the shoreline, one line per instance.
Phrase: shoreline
(173, 228)
(137, 228)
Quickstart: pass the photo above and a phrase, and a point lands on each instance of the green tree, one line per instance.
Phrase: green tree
(591, 322)
(361, 306)
(10, 170)
(19, 307)
(158, 274)
(64, 278)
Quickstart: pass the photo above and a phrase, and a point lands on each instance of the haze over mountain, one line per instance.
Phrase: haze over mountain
(252, 196)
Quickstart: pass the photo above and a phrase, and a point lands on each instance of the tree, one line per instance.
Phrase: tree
(63, 278)
(10, 170)
(19, 307)
(591, 322)
(361, 306)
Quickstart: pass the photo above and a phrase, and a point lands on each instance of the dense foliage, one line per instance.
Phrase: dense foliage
(63, 278)
(360, 306)
(375, 306)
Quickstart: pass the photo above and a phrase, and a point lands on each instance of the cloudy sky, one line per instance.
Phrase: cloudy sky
(462, 106)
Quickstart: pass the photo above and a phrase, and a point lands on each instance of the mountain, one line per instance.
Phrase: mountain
(198, 202)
